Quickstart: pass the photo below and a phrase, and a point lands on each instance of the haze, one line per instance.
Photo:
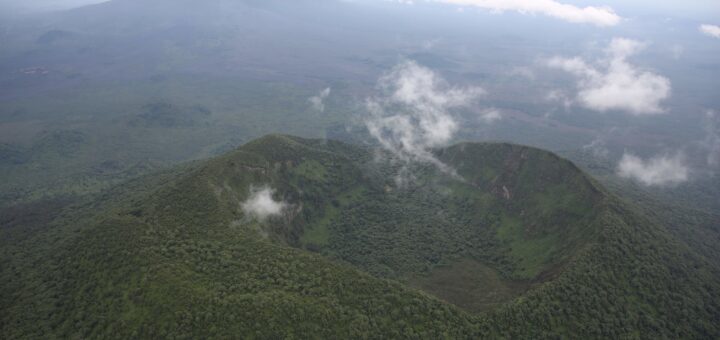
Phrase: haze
(359, 169)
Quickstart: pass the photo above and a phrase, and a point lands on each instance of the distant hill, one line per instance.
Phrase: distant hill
(515, 242)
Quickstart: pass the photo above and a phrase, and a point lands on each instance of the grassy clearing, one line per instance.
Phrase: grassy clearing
(470, 285)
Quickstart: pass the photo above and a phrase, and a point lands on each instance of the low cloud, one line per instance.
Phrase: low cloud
(710, 30)
(616, 84)
(561, 97)
(490, 115)
(523, 72)
(412, 114)
(677, 51)
(597, 148)
(261, 205)
(430, 44)
(599, 16)
(656, 171)
(318, 102)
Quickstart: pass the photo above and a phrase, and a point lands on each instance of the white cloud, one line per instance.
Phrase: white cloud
(657, 171)
(490, 115)
(430, 44)
(412, 114)
(559, 97)
(710, 30)
(600, 16)
(523, 71)
(615, 84)
(261, 205)
(598, 148)
(677, 51)
(318, 102)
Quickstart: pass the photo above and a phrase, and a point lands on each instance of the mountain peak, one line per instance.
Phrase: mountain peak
(285, 225)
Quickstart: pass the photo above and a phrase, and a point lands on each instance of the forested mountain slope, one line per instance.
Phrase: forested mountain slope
(512, 242)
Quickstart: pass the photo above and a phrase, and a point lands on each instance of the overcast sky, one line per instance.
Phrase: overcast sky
(46, 4)
(687, 7)
(697, 9)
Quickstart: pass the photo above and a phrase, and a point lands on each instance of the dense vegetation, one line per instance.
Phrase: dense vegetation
(174, 255)
(86, 139)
